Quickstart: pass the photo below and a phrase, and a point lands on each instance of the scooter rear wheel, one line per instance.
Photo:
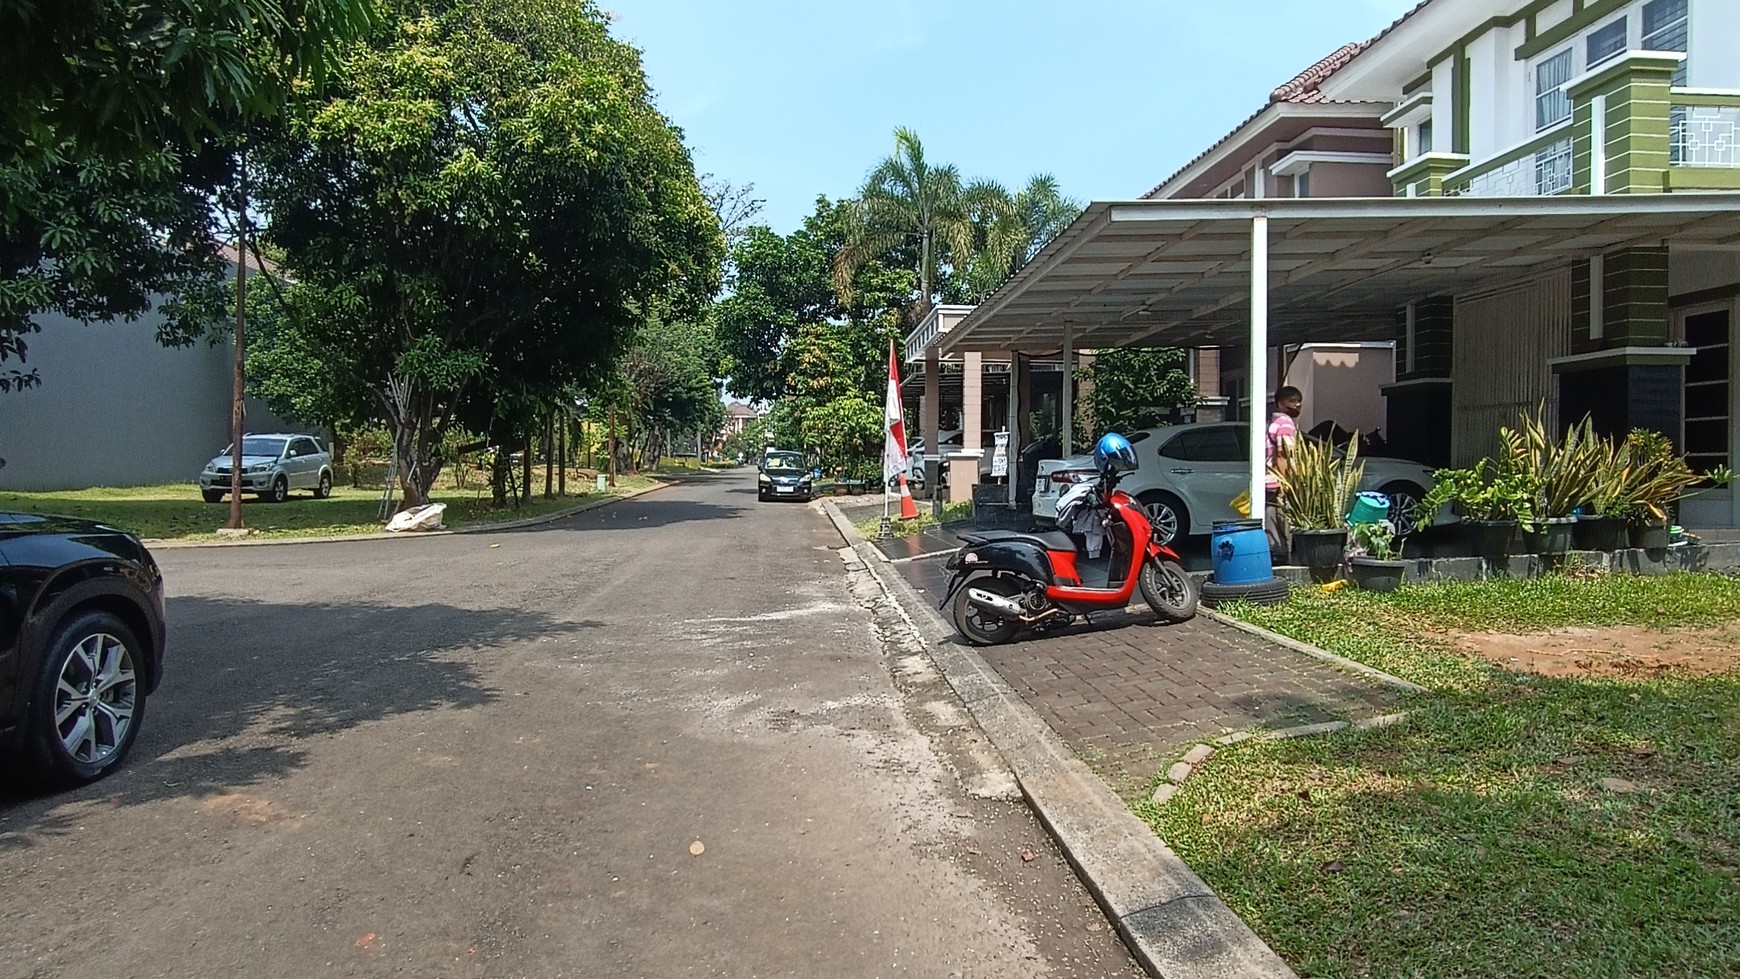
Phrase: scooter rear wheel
(980, 626)
(1169, 590)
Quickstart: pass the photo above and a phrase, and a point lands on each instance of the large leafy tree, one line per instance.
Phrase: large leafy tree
(117, 123)
(486, 203)
(1009, 229)
(1136, 388)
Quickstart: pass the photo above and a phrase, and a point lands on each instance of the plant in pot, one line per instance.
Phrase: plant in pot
(1656, 477)
(1374, 557)
(1316, 493)
(1561, 472)
(1601, 523)
(1491, 500)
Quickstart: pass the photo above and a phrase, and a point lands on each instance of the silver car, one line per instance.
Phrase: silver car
(272, 466)
(1191, 474)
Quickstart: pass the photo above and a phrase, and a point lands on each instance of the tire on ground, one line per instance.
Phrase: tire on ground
(1271, 592)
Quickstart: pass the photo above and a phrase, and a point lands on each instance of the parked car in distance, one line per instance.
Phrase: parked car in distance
(951, 441)
(784, 476)
(81, 645)
(1191, 474)
(272, 466)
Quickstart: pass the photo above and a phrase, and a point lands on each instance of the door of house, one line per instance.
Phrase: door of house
(1712, 404)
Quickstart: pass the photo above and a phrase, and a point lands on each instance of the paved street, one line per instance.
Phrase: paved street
(663, 738)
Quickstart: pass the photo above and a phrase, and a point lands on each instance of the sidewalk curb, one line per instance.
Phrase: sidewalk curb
(1316, 652)
(172, 545)
(1171, 920)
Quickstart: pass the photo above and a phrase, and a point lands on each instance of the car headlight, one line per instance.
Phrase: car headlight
(211, 467)
(765, 478)
(260, 467)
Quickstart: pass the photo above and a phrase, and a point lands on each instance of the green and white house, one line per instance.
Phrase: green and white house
(1533, 199)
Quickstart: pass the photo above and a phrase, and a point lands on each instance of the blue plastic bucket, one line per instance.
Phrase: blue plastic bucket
(1239, 551)
(1369, 508)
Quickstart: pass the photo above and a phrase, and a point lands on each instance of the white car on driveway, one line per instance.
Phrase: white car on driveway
(1190, 475)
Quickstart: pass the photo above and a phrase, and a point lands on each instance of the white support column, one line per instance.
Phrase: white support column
(1259, 366)
(1598, 145)
(1066, 437)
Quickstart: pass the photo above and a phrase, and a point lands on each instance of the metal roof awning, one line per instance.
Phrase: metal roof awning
(1178, 272)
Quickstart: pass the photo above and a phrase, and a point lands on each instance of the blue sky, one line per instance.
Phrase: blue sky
(801, 97)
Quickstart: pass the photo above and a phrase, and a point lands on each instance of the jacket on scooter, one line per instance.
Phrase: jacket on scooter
(1078, 512)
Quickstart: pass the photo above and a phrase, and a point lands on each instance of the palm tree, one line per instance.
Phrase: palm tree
(1012, 229)
(905, 201)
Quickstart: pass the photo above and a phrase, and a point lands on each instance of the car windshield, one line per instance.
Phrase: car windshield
(258, 447)
(783, 462)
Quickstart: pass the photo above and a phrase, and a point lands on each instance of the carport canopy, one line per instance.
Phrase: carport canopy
(1283, 271)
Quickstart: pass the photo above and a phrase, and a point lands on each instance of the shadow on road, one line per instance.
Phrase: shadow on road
(248, 684)
(638, 513)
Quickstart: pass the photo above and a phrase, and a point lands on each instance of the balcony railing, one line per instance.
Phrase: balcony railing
(1540, 167)
(1704, 129)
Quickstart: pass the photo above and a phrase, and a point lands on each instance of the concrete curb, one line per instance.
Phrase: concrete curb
(1316, 652)
(170, 545)
(1172, 921)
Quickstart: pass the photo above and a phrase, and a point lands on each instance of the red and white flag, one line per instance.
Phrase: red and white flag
(893, 424)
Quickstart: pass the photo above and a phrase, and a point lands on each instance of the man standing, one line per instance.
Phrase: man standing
(1283, 433)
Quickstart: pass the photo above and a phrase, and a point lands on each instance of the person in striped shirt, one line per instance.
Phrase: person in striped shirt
(1283, 435)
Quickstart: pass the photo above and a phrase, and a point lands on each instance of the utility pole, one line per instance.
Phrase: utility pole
(238, 380)
(613, 445)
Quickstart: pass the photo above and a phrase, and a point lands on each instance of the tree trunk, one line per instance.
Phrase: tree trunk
(612, 445)
(549, 453)
(526, 469)
(340, 448)
(562, 456)
(238, 380)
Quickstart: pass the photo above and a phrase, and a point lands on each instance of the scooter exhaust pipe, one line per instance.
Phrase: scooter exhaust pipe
(1008, 608)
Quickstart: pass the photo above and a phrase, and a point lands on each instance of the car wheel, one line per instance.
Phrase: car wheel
(280, 490)
(324, 490)
(88, 701)
(212, 496)
(1170, 520)
(1404, 506)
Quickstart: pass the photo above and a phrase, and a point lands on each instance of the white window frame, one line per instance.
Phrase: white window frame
(1569, 53)
(1682, 75)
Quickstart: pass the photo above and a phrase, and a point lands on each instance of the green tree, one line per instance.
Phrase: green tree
(845, 432)
(669, 387)
(1136, 388)
(488, 202)
(907, 202)
(1009, 230)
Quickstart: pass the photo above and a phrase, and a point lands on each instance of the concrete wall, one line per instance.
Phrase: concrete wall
(1342, 383)
(114, 408)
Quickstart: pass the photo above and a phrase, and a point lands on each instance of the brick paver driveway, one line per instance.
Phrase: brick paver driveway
(1129, 694)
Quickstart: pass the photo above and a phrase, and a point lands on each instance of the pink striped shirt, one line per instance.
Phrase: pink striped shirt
(1282, 432)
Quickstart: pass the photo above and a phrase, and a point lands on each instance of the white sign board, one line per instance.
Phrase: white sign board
(1000, 456)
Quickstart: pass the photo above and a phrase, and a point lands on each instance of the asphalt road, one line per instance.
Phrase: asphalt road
(676, 736)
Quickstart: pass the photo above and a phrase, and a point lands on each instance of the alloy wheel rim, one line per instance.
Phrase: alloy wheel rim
(95, 698)
(1405, 513)
(1173, 586)
(1164, 520)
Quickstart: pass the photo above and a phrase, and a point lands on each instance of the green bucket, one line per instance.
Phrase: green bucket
(1369, 508)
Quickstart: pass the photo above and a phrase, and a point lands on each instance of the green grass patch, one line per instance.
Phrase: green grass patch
(175, 511)
(1477, 838)
(905, 528)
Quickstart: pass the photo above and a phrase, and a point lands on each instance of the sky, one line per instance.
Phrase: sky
(801, 97)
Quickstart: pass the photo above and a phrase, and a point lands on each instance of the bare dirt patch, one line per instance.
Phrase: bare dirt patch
(1617, 651)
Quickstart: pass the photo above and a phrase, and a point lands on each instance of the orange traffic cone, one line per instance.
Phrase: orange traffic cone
(908, 509)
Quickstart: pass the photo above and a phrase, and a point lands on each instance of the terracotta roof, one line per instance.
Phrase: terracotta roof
(1304, 88)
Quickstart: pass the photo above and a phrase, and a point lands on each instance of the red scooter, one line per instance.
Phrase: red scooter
(1006, 581)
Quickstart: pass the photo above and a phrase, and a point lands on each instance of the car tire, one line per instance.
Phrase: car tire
(1404, 503)
(280, 490)
(324, 490)
(1271, 592)
(212, 496)
(68, 744)
(1169, 590)
(1167, 515)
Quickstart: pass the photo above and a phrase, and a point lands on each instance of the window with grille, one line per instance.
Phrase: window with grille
(1707, 389)
(1606, 42)
(1665, 28)
(1552, 102)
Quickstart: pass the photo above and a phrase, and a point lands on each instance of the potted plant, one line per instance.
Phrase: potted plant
(1491, 500)
(1601, 524)
(1657, 477)
(1560, 472)
(1316, 493)
(1373, 557)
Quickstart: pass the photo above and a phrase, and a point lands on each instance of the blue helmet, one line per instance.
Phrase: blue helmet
(1113, 454)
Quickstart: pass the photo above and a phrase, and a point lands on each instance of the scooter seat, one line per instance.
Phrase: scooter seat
(1050, 540)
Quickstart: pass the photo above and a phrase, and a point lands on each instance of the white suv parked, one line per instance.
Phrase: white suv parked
(272, 466)
(1190, 475)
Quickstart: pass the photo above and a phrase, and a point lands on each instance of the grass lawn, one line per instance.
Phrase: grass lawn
(174, 511)
(1483, 836)
(904, 528)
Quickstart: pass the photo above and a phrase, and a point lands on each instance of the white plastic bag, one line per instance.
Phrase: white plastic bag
(427, 517)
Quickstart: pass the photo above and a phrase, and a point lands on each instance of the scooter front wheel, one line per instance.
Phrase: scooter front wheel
(979, 625)
(1169, 590)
